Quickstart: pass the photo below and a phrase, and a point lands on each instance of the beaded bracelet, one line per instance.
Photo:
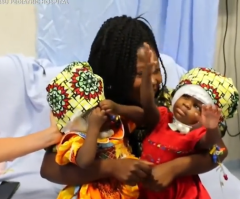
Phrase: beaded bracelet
(215, 152)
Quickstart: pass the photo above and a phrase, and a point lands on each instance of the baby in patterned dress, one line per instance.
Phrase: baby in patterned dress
(89, 132)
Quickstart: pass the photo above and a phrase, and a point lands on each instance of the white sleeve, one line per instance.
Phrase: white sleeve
(174, 71)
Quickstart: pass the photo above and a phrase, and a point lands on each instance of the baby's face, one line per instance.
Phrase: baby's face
(187, 110)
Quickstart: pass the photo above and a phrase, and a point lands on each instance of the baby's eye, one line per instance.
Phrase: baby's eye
(197, 107)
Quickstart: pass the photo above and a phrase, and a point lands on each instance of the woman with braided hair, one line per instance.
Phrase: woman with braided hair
(117, 57)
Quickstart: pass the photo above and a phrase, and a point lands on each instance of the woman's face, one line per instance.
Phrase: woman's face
(156, 75)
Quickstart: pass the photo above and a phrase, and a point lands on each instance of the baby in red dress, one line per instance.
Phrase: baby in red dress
(202, 100)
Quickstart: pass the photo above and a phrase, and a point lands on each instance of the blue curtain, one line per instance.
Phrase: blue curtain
(190, 31)
(184, 29)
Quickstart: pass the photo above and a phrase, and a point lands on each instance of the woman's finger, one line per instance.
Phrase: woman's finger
(103, 112)
(140, 176)
(103, 107)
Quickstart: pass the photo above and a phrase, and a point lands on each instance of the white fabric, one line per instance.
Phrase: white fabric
(194, 91)
(24, 110)
(180, 127)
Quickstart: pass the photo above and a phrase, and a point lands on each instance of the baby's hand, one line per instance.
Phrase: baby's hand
(150, 62)
(97, 118)
(210, 116)
(110, 107)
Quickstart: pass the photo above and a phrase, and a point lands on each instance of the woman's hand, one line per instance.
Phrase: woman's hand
(161, 177)
(130, 171)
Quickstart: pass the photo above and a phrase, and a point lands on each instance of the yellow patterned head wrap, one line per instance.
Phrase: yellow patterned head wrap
(73, 92)
(221, 89)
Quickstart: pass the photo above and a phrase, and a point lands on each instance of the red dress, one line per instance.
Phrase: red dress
(164, 145)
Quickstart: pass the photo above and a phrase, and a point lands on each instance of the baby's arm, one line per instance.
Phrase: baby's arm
(151, 113)
(210, 116)
(87, 153)
(78, 148)
(81, 148)
(211, 137)
(131, 113)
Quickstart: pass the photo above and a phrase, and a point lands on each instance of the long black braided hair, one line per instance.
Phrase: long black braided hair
(113, 54)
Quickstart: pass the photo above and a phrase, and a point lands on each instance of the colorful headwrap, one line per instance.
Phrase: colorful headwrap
(73, 92)
(221, 89)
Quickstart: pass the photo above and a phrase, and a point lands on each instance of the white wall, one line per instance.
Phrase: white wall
(233, 144)
(17, 29)
(18, 33)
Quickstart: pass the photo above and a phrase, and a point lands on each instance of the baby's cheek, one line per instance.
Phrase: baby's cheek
(194, 117)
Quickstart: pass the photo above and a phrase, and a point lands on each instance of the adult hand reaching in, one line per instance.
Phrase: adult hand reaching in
(131, 171)
(12, 148)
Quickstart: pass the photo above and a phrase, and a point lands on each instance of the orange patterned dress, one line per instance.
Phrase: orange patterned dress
(115, 148)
